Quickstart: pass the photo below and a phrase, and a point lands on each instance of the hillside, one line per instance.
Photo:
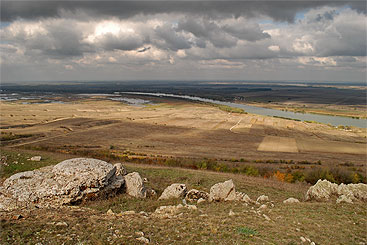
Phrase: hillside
(215, 222)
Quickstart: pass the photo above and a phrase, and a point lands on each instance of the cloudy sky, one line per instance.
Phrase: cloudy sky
(183, 40)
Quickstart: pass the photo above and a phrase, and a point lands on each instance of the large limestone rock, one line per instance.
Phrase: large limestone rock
(323, 190)
(195, 195)
(353, 191)
(174, 191)
(135, 186)
(222, 191)
(65, 183)
(226, 191)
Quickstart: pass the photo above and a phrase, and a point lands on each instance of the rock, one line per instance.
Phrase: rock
(172, 210)
(291, 200)
(263, 207)
(129, 212)
(110, 212)
(303, 239)
(143, 213)
(201, 200)
(67, 182)
(139, 233)
(36, 158)
(262, 198)
(134, 185)
(266, 217)
(16, 217)
(191, 207)
(62, 224)
(195, 195)
(226, 191)
(143, 239)
(120, 170)
(174, 191)
(353, 191)
(221, 191)
(231, 213)
(321, 191)
(145, 180)
(344, 199)
(312, 243)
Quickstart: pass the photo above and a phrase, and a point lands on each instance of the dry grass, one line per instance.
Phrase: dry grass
(323, 223)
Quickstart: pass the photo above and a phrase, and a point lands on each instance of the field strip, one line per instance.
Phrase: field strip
(316, 145)
(235, 125)
(60, 135)
(278, 144)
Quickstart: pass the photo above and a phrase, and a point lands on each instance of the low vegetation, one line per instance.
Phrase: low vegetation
(282, 170)
(5, 137)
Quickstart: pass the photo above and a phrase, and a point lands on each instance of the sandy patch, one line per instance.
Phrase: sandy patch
(279, 144)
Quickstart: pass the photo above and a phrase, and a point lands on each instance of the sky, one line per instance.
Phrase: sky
(183, 40)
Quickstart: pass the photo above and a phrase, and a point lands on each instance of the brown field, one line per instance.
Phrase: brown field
(279, 144)
(178, 128)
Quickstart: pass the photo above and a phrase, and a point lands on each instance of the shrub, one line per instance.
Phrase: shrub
(252, 171)
(279, 176)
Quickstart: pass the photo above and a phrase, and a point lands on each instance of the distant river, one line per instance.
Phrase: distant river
(333, 120)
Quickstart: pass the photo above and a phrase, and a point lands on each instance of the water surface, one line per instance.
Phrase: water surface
(333, 120)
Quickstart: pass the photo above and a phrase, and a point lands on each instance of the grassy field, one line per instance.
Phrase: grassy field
(323, 223)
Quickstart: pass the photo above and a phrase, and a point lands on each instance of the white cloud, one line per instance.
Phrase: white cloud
(325, 37)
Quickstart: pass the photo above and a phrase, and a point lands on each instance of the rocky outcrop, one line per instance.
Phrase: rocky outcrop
(323, 190)
(194, 195)
(68, 182)
(226, 191)
(174, 191)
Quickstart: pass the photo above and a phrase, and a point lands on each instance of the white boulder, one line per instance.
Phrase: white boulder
(134, 185)
(174, 191)
(36, 158)
(65, 183)
(226, 191)
(321, 191)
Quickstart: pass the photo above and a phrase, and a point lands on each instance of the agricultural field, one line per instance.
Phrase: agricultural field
(182, 133)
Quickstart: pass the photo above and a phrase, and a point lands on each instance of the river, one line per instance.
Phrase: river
(333, 120)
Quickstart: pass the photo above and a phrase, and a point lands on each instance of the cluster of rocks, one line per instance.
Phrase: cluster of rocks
(324, 190)
(78, 179)
(224, 191)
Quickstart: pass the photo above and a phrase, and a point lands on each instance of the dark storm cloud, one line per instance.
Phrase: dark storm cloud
(172, 39)
(278, 10)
